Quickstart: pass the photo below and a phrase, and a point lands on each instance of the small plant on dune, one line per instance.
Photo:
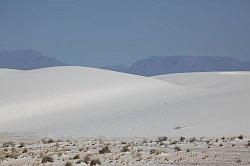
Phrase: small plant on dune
(155, 151)
(95, 162)
(80, 161)
(21, 145)
(25, 150)
(177, 148)
(162, 138)
(47, 159)
(14, 154)
(238, 161)
(173, 142)
(248, 143)
(76, 157)
(49, 141)
(105, 149)
(240, 137)
(191, 140)
(86, 158)
(8, 144)
(125, 149)
(182, 139)
(68, 163)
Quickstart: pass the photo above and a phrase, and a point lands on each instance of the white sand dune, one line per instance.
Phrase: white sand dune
(80, 101)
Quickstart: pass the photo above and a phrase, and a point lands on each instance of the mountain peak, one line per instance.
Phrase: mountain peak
(26, 59)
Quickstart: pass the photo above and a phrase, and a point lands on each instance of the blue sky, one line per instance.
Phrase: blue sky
(107, 32)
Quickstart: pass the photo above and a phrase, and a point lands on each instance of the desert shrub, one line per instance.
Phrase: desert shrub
(95, 162)
(80, 161)
(49, 141)
(188, 150)
(238, 161)
(8, 144)
(125, 149)
(182, 139)
(68, 163)
(12, 154)
(192, 139)
(240, 137)
(154, 151)
(162, 138)
(47, 159)
(25, 150)
(86, 158)
(177, 148)
(76, 157)
(173, 142)
(248, 143)
(105, 149)
(21, 145)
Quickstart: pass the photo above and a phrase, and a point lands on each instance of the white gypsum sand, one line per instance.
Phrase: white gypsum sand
(89, 102)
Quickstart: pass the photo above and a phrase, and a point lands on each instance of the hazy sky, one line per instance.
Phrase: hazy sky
(97, 33)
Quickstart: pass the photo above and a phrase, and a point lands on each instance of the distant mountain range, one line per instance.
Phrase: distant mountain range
(181, 64)
(32, 59)
(26, 60)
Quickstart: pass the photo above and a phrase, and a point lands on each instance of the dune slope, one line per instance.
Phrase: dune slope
(79, 101)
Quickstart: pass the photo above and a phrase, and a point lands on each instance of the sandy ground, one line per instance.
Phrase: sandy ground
(133, 151)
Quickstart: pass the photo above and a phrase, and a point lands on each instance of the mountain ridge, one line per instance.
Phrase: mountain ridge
(158, 65)
(26, 59)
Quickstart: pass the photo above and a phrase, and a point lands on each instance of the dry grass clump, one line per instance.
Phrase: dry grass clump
(162, 138)
(104, 150)
(86, 158)
(21, 145)
(191, 140)
(248, 143)
(13, 153)
(95, 162)
(68, 163)
(240, 137)
(76, 157)
(25, 150)
(8, 144)
(47, 159)
(155, 151)
(182, 139)
(177, 148)
(238, 161)
(47, 141)
(125, 149)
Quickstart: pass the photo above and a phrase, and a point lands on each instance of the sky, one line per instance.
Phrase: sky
(108, 32)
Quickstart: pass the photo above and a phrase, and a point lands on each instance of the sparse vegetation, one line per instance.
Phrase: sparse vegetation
(155, 151)
(162, 138)
(68, 163)
(86, 158)
(240, 137)
(95, 162)
(47, 159)
(94, 152)
(8, 144)
(177, 148)
(238, 161)
(76, 157)
(47, 141)
(105, 149)
(125, 149)
(182, 139)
